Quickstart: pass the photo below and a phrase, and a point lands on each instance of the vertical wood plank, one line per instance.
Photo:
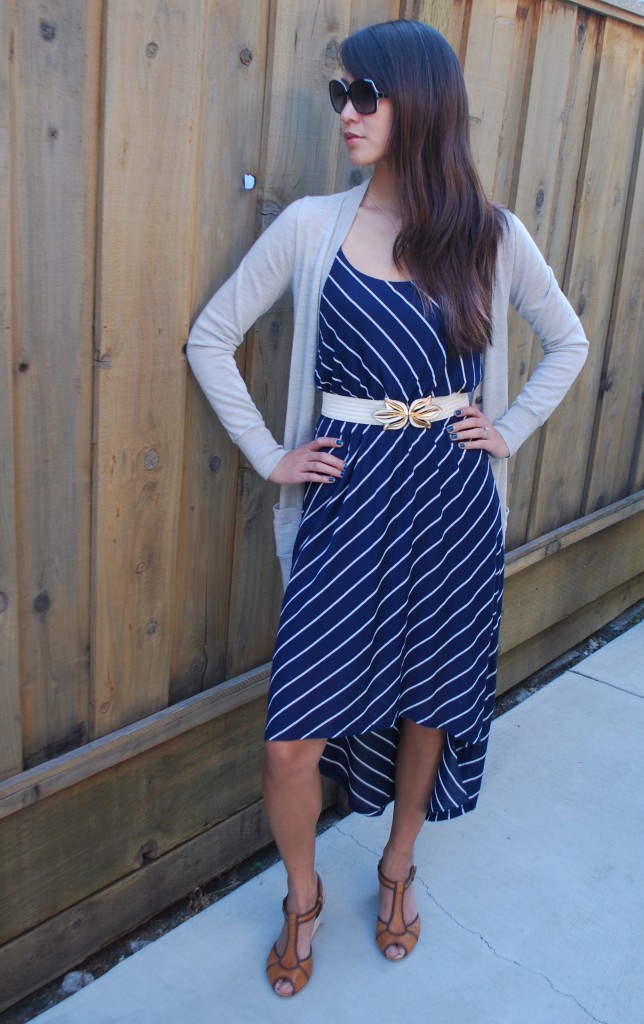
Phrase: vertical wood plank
(299, 156)
(55, 85)
(436, 13)
(369, 12)
(152, 99)
(450, 17)
(545, 196)
(593, 265)
(496, 65)
(622, 386)
(10, 737)
(230, 135)
(636, 475)
(301, 133)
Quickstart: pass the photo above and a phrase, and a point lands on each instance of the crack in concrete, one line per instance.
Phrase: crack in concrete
(604, 682)
(508, 959)
(363, 846)
(478, 935)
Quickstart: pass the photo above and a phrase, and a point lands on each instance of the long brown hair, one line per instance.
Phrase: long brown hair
(450, 230)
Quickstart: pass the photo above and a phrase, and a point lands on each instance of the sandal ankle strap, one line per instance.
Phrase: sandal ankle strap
(308, 915)
(389, 884)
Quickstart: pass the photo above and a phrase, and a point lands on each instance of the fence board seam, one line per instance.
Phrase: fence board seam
(43, 781)
(564, 536)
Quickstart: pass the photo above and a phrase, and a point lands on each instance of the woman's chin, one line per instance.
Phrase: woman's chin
(357, 159)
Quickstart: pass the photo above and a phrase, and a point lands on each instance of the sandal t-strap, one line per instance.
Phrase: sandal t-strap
(395, 932)
(289, 966)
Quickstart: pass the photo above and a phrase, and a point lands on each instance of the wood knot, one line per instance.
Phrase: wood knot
(151, 50)
(23, 366)
(148, 851)
(268, 210)
(47, 30)
(151, 629)
(151, 459)
(214, 463)
(245, 56)
(332, 53)
(539, 199)
(42, 603)
(197, 668)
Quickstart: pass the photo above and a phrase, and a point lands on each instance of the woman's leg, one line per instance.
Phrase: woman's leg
(417, 763)
(293, 799)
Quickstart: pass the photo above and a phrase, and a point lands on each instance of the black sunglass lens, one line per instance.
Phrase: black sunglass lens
(363, 96)
(338, 95)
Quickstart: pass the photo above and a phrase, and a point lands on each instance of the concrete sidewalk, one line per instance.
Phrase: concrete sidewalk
(532, 906)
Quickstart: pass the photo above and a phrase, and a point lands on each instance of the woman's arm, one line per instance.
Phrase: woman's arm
(536, 296)
(261, 278)
(534, 293)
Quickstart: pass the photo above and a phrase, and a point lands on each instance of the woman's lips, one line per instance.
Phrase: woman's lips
(350, 137)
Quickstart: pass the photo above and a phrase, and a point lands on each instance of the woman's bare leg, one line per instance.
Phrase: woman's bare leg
(293, 800)
(417, 763)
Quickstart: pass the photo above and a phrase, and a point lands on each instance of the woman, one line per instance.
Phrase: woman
(394, 502)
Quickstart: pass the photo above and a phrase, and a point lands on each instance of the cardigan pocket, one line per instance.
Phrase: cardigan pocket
(286, 522)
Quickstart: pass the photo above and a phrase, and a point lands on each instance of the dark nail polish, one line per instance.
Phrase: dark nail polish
(461, 444)
(331, 479)
(339, 442)
(458, 412)
(450, 429)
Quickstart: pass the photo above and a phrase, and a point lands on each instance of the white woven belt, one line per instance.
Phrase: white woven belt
(390, 413)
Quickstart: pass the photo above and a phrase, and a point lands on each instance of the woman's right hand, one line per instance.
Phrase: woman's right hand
(309, 464)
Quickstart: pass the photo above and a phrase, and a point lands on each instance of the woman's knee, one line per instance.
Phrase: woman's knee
(288, 757)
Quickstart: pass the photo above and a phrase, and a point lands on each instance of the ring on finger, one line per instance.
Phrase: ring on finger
(486, 431)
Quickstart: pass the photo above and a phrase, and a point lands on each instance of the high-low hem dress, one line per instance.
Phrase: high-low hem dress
(393, 606)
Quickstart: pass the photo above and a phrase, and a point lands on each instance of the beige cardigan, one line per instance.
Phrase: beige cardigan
(296, 252)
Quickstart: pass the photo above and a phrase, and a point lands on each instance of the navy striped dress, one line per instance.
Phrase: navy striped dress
(393, 606)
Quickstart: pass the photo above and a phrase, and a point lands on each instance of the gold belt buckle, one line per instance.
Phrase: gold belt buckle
(420, 413)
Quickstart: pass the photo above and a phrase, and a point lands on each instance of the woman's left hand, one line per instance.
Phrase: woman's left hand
(474, 430)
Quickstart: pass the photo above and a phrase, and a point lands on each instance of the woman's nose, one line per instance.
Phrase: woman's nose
(348, 114)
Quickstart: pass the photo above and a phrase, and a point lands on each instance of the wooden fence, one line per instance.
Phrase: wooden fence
(138, 586)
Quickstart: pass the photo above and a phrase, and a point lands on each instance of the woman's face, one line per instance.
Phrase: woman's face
(366, 136)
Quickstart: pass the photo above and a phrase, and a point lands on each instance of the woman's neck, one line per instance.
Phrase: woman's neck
(383, 190)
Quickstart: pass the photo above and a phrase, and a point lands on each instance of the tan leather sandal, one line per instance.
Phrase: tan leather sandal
(289, 966)
(395, 932)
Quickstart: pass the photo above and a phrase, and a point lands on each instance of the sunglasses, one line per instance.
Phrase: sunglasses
(363, 95)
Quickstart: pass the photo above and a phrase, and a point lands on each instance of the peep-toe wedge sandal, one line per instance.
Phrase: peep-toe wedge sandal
(289, 966)
(395, 932)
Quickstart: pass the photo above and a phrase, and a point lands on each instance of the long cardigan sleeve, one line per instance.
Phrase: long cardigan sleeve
(527, 283)
(262, 277)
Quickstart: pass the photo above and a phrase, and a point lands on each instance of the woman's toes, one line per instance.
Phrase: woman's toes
(283, 987)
